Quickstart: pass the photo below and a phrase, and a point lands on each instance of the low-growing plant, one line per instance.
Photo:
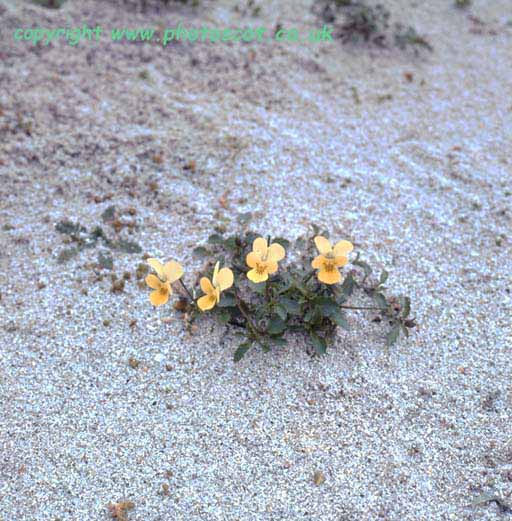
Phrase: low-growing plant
(144, 4)
(355, 20)
(79, 238)
(52, 4)
(265, 300)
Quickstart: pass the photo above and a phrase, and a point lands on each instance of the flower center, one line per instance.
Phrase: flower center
(260, 268)
(329, 265)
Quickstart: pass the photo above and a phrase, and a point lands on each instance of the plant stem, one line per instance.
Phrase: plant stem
(187, 290)
(362, 307)
(241, 306)
(308, 276)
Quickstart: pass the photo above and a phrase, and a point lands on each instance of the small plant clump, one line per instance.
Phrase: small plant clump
(251, 290)
(368, 23)
(144, 4)
(52, 4)
(79, 238)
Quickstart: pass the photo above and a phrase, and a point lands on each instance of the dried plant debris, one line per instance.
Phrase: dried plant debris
(355, 21)
(119, 511)
(407, 36)
(82, 239)
(318, 478)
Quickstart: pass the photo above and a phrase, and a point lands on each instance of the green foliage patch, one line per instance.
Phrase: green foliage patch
(292, 300)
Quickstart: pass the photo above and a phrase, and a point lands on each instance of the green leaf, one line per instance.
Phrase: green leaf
(405, 304)
(276, 326)
(52, 4)
(318, 343)
(224, 316)
(494, 498)
(109, 214)
(250, 237)
(126, 246)
(241, 351)
(340, 320)
(366, 267)
(285, 243)
(308, 316)
(258, 288)
(105, 261)
(200, 251)
(300, 243)
(348, 285)
(393, 334)
(244, 218)
(215, 238)
(327, 306)
(227, 300)
(296, 328)
(380, 300)
(231, 243)
(280, 310)
(292, 307)
(405, 330)
(97, 233)
(279, 341)
(69, 228)
(383, 277)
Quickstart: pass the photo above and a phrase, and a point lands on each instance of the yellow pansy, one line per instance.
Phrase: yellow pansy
(222, 280)
(263, 259)
(166, 274)
(330, 259)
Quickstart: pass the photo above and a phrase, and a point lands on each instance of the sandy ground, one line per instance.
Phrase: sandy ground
(416, 172)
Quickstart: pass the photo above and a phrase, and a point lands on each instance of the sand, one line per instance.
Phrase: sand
(407, 156)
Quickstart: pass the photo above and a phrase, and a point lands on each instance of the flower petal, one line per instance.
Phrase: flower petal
(342, 248)
(276, 252)
(206, 302)
(329, 277)
(252, 259)
(340, 261)
(153, 281)
(323, 245)
(318, 262)
(215, 273)
(159, 296)
(173, 271)
(224, 279)
(158, 267)
(256, 277)
(272, 267)
(260, 246)
(206, 286)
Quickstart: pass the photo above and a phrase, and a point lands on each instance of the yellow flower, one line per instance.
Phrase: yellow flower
(330, 259)
(263, 259)
(166, 274)
(222, 280)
